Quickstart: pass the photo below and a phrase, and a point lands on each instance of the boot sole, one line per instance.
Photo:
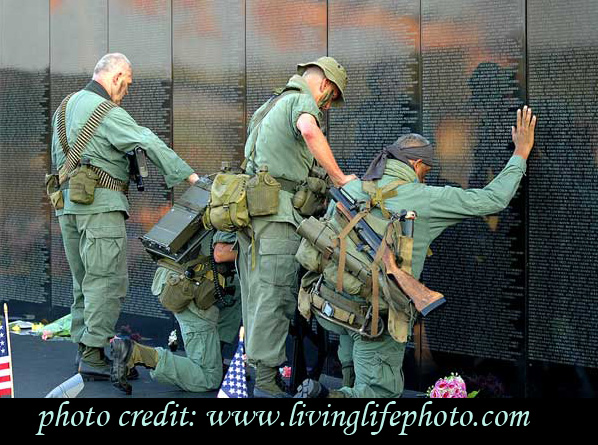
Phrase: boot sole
(121, 352)
(311, 389)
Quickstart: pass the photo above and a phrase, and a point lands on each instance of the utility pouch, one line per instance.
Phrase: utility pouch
(227, 210)
(57, 200)
(304, 303)
(400, 325)
(310, 198)
(262, 193)
(82, 184)
(53, 192)
(178, 292)
(205, 292)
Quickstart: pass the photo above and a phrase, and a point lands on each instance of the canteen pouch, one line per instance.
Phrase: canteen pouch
(310, 198)
(82, 184)
(178, 292)
(227, 210)
(53, 192)
(262, 194)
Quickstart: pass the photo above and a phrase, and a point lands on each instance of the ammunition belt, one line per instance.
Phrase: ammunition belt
(73, 155)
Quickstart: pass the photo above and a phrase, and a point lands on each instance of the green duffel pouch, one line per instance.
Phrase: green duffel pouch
(227, 210)
(262, 194)
(178, 292)
(82, 184)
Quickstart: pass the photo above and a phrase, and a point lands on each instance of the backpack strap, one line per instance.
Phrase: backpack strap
(379, 194)
(259, 118)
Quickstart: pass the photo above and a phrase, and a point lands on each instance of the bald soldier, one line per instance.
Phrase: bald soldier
(90, 198)
(285, 136)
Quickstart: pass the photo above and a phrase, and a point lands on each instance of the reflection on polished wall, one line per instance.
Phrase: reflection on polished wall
(521, 285)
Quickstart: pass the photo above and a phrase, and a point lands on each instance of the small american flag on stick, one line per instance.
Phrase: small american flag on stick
(6, 380)
(235, 383)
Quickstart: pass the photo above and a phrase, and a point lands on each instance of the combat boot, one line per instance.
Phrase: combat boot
(312, 389)
(80, 348)
(125, 355)
(269, 384)
(93, 364)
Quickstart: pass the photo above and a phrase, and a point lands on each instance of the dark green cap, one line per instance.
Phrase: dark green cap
(333, 71)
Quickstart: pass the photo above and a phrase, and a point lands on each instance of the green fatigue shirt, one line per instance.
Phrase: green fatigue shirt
(280, 145)
(440, 207)
(117, 134)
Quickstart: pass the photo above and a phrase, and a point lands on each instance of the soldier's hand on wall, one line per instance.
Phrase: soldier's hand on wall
(523, 134)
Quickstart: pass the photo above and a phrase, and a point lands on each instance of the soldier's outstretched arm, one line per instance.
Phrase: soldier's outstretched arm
(319, 147)
(523, 133)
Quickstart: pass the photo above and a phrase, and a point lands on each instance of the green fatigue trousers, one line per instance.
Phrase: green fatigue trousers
(96, 250)
(268, 291)
(201, 369)
(378, 363)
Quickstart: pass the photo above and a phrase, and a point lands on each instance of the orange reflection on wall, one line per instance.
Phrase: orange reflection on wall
(454, 150)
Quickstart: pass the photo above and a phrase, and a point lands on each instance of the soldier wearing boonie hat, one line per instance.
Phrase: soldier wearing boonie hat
(284, 134)
(333, 71)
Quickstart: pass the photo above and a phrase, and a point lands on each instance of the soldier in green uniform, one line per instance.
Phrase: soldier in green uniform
(204, 333)
(94, 233)
(286, 140)
(378, 361)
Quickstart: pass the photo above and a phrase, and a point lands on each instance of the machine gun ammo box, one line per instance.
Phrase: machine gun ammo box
(178, 234)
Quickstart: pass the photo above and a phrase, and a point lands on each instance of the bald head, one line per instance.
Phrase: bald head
(412, 140)
(115, 74)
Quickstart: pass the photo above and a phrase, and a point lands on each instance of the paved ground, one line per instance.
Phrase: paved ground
(39, 366)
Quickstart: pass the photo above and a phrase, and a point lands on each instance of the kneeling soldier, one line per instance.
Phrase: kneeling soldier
(207, 316)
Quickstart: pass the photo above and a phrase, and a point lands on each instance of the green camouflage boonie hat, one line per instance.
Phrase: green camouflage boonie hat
(333, 71)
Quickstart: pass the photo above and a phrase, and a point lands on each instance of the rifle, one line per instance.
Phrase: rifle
(423, 298)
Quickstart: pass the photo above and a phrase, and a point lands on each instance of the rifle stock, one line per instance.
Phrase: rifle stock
(423, 298)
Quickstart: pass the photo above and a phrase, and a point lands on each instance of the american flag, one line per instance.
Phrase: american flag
(234, 385)
(6, 388)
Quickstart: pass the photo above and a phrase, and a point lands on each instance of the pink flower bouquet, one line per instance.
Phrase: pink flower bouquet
(451, 387)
